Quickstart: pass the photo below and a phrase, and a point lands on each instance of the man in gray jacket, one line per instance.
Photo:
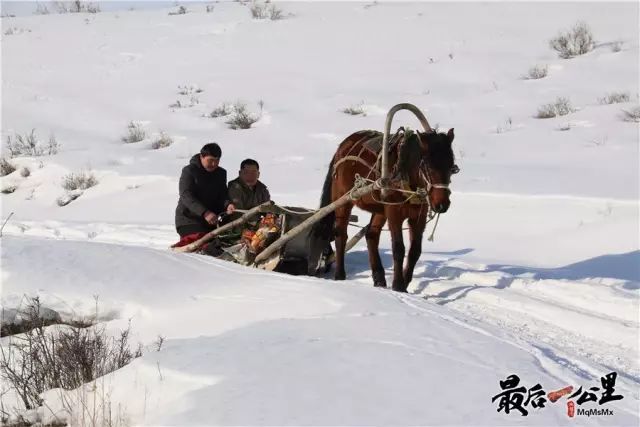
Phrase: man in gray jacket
(246, 191)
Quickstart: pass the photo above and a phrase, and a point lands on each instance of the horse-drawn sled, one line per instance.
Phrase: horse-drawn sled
(404, 176)
(256, 230)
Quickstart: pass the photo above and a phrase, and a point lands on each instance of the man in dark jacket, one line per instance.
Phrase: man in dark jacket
(247, 191)
(203, 195)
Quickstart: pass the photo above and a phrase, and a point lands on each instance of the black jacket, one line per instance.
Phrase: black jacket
(200, 191)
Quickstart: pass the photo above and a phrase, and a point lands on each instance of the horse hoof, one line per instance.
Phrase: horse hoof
(379, 281)
(399, 287)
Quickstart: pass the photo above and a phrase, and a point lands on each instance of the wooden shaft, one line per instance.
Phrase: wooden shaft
(356, 238)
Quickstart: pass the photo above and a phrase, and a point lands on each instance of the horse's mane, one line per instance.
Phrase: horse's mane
(441, 155)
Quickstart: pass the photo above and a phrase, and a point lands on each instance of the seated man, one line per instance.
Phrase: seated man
(203, 195)
(246, 191)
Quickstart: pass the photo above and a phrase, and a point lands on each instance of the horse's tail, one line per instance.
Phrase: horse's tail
(324, 227)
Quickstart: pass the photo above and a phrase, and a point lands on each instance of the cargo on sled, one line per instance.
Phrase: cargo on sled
(252, 239)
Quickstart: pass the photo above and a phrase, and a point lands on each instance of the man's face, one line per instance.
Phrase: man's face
(209, 163)
(249, 175)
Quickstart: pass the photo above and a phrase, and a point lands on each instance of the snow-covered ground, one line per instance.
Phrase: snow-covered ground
(534, 271)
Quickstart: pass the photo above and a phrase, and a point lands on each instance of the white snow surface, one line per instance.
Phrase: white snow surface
(534, 271)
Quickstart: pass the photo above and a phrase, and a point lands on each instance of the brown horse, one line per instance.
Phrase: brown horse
(415, 160)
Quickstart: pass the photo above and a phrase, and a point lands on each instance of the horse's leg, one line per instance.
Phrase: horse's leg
(416, 230)
(395, 220)
(342, 221)
(373, 239)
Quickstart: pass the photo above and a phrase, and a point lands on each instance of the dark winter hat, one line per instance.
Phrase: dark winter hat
(212, 149)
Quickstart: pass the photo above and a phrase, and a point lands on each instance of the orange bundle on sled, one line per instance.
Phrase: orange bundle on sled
(267, 232)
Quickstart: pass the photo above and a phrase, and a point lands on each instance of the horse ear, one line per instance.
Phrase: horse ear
(450, 135)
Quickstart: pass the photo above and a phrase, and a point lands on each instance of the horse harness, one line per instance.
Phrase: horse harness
(371, 141)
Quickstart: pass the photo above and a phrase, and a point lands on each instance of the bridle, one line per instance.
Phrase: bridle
(425, 172)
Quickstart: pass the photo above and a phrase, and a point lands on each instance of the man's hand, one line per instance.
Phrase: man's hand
(210, 217)
(231, 208)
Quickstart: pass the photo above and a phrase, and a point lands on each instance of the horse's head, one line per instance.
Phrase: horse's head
(431, 155)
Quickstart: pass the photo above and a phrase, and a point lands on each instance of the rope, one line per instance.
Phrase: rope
(392, 203)
(420, 193)
(430, 217)
(291, 211)
(382, 229)
(359, 183)
(434, 229)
